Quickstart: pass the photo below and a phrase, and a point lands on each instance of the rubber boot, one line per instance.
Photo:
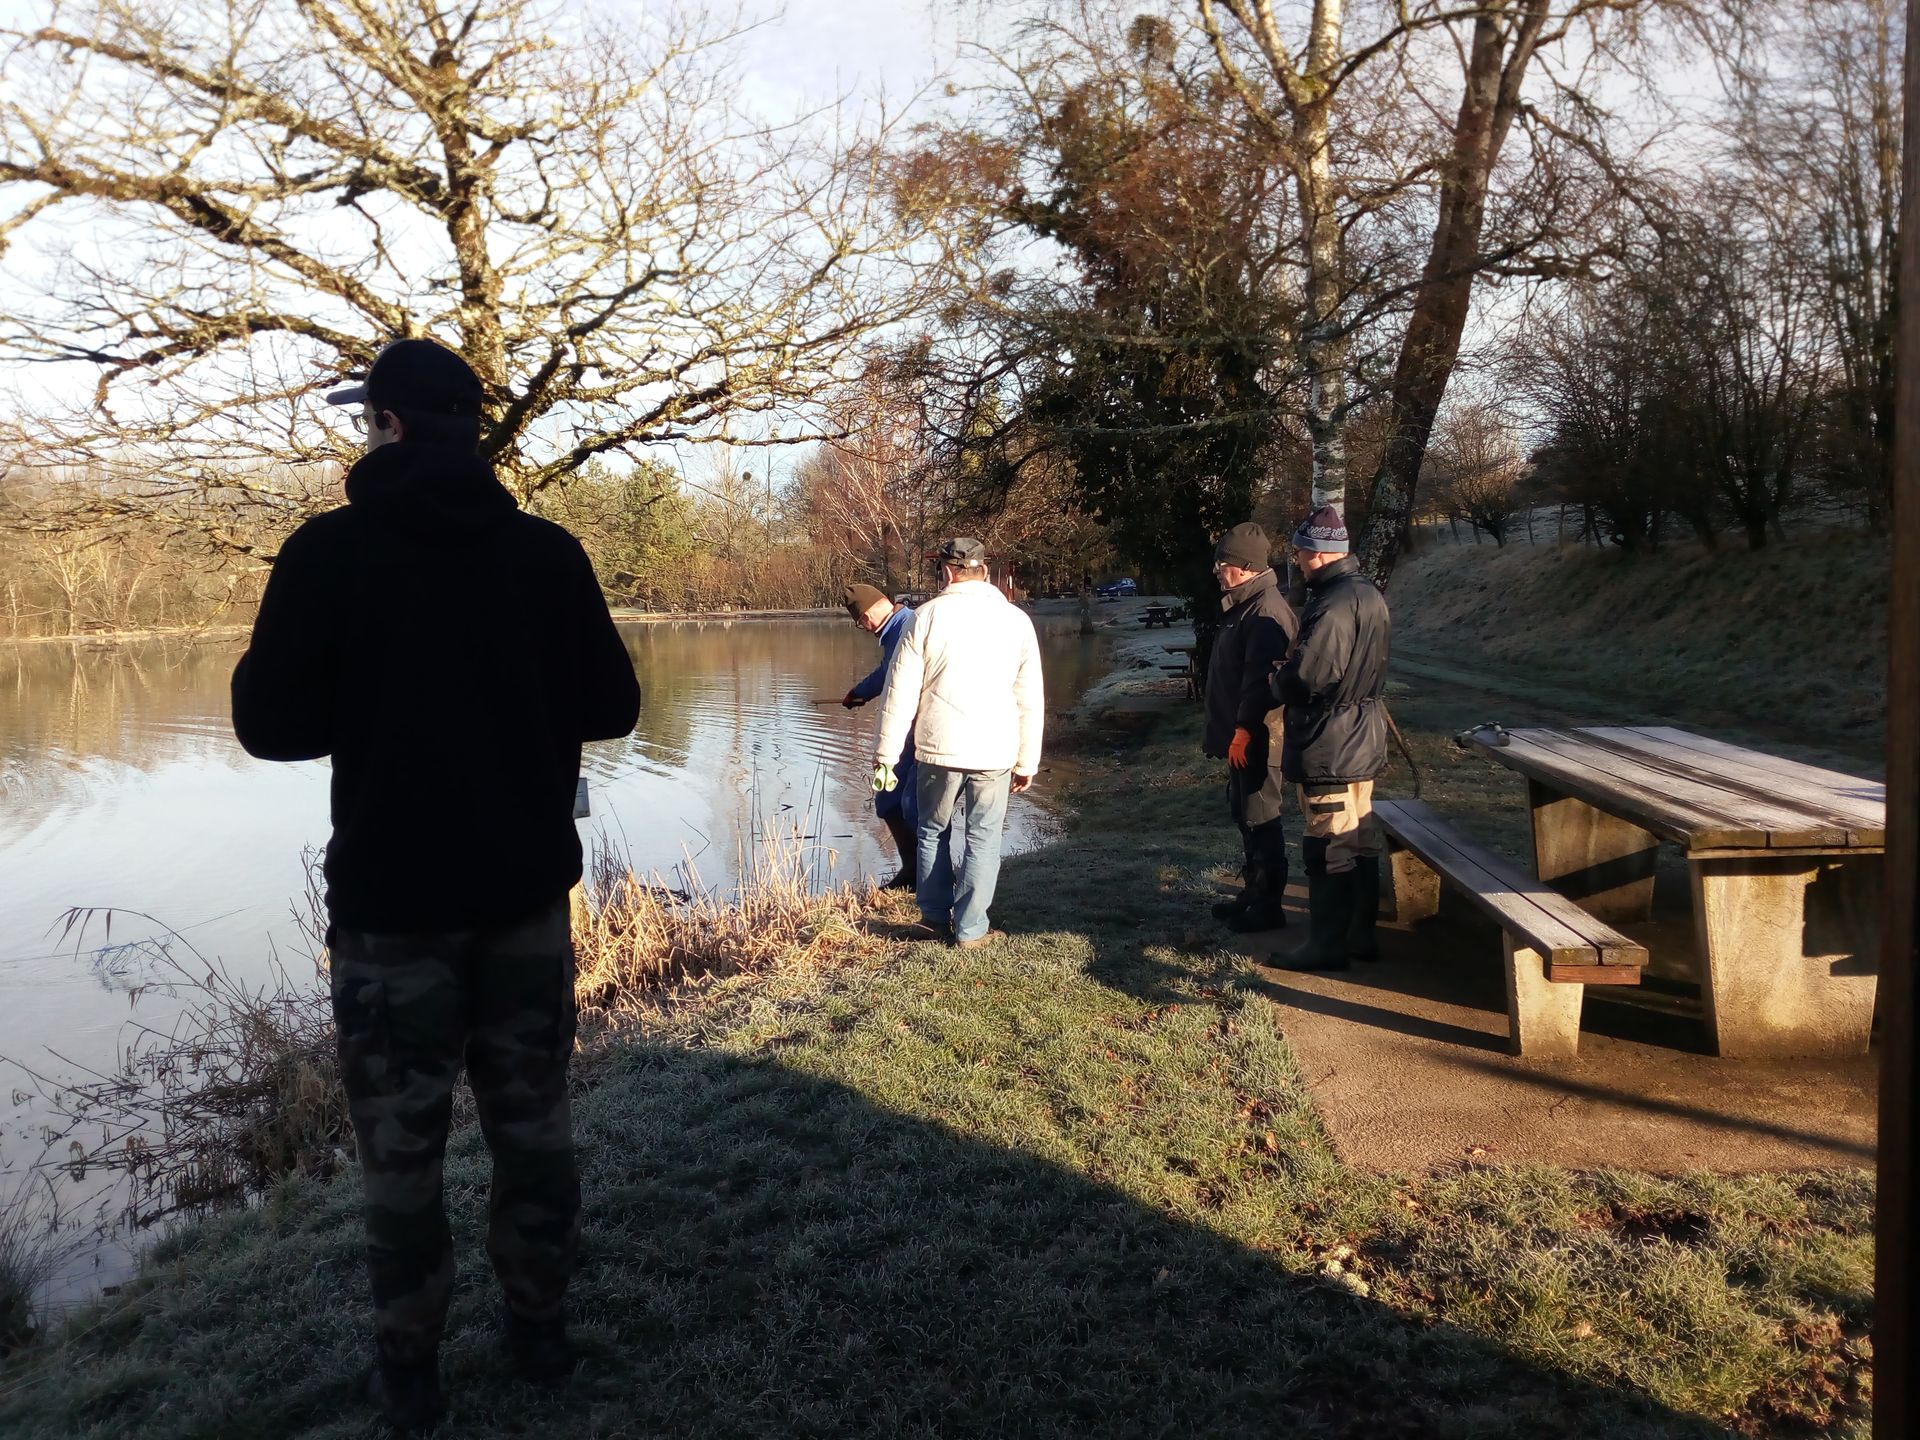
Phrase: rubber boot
(1330, 906)
(907, 842)
(1229, 910)
(1267, 907)
(1362, 942)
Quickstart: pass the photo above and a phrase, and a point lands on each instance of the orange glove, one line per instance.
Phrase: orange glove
(1237, 751)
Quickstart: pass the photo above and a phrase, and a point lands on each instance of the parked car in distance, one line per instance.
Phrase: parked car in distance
(1114, 589)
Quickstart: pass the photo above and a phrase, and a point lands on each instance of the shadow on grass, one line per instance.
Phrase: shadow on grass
(769, 1254)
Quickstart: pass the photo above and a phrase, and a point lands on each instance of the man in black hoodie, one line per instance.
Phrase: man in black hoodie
(1243, 721)
(456, 746)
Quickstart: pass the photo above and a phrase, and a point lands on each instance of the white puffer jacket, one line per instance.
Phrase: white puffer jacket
(969, 669)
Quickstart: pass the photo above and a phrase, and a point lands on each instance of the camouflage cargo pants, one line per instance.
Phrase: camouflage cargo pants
(409, 1010)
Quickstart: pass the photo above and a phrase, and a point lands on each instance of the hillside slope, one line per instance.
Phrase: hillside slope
(1766, 636)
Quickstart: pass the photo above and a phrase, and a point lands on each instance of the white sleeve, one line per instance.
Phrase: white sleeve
(1030, 700)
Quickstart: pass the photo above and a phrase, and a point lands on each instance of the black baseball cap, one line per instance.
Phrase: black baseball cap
(418, 375)
(962, 550)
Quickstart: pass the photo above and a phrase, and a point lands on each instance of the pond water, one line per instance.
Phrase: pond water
(122, 788)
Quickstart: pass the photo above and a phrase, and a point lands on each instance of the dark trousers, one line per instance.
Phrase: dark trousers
(1255, 800)
(410, 1010)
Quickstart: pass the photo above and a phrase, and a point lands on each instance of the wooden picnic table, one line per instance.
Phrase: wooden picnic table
(1184, 669)
(1786, 864)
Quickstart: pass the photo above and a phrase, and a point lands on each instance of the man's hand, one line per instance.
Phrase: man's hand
(852, 701)
(883, 777)
(1237, 751)
(1021, 784)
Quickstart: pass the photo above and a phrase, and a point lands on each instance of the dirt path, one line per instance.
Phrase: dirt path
(1407, 1060)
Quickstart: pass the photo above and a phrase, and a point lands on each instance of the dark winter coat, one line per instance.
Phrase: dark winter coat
(1252, 639)
(451, 653)
(1333, 681)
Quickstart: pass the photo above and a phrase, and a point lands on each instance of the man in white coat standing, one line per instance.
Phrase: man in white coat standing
(965, 684)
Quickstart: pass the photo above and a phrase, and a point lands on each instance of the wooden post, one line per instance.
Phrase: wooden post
(1894, 1353)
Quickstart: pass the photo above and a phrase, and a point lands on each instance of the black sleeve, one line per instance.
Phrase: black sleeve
(607, 697)
(1267, 639)
(1321, 657)
(284, 686)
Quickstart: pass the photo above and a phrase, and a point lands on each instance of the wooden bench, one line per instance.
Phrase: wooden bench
(1183, 668)
(1554, 949)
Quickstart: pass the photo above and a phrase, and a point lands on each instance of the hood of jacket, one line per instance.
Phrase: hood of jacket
(428, 490)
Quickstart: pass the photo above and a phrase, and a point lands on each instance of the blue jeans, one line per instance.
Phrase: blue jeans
(962, 813)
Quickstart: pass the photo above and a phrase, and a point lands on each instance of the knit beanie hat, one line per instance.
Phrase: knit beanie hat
(861, 598)
(1246, 546)
(1324, 531)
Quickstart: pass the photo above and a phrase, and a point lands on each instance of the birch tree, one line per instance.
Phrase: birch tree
(1316, 90)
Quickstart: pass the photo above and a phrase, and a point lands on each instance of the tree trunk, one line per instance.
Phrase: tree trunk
(1323, 339)
(1502, 48)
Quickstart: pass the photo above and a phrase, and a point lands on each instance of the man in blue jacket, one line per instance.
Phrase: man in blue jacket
(456, 744)
(874, 613)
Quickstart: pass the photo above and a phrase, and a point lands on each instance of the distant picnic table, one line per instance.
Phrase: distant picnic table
(1159, 615)
(1786, 861)
(1183, 667)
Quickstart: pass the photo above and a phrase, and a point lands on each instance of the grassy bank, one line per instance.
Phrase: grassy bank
(1767, 640)
(1070, 1187)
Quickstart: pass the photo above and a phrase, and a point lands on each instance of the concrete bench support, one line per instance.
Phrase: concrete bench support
(1413, 886)
(1553, 949)
(1600, 861)
(1789, 947)
(1544, 1014)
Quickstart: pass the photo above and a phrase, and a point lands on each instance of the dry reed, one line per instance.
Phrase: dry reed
(637, 939)
(34, 1244)
(244, 1088)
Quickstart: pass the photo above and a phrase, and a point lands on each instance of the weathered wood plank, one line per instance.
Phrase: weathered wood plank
(1673, 819)
(1866, 798)
(1832, 800)
(1517, 902)
(1782, 824)
(1782, 852)
(1594, 974)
